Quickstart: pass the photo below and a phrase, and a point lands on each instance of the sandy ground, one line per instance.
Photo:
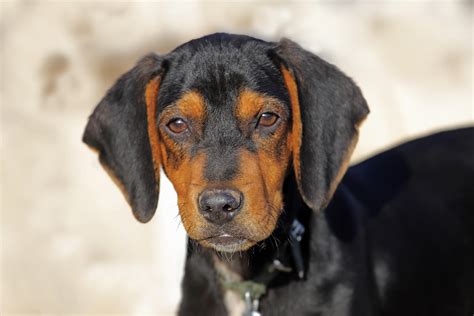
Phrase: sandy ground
(69, 244)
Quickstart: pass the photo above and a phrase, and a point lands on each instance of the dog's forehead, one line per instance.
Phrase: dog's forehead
(220, 69)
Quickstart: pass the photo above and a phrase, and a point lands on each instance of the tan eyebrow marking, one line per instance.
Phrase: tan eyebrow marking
(251, 103)
(192, 105)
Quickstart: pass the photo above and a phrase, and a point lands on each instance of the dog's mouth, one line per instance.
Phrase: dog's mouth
(227, 243)
(237, 235)
(225, 239)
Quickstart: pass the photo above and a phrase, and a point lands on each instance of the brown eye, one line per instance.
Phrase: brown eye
(177, 126)
(267, 119)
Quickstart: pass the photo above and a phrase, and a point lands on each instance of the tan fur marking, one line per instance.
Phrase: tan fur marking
(261, 180)
(188, 182)
(186, 173)
(191, 104)
(297, 127)
(151, 93)
(252, 103)
(249, 105)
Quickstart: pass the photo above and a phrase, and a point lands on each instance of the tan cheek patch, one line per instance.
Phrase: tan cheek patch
(262, 173)
(172, 154)
(274, 172)
(260, 181)
(188, 182)
(183, 171)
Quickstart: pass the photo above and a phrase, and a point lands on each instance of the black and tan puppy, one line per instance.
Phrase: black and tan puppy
(256, 137)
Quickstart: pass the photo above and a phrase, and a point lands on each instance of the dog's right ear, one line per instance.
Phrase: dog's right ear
(123, 130)
(327, 110)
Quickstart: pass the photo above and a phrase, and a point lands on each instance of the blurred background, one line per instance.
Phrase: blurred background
(69, 243)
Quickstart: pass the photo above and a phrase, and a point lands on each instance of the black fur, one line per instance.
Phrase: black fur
(331, 107)
(397, 237)
(117, 129)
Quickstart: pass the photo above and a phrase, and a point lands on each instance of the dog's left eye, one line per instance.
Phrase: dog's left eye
(267, 119)
(177, 126)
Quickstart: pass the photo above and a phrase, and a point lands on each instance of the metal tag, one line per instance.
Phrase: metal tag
(251, 305)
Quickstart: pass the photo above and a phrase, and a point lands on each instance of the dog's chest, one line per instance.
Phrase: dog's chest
(233, 302)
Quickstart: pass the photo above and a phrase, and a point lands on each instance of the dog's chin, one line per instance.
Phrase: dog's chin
(227, 243)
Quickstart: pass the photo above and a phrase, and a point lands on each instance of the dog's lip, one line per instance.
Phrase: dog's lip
(225, 235)
(220, 240)
(225, 239)
(227, 242)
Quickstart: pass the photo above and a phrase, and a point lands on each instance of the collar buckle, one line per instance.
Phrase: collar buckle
(251, 292)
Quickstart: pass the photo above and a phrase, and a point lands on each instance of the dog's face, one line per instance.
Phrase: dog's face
(226, 156)
(226, 117)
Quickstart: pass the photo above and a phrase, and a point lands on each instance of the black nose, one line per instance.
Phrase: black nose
(219, 205)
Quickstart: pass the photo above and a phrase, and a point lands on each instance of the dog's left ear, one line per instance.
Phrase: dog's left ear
(327, 109)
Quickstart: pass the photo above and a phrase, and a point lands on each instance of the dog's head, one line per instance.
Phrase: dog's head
(227, 117)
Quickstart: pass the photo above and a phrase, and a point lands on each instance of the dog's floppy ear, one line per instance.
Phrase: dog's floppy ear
(123, 130)
(327, 109)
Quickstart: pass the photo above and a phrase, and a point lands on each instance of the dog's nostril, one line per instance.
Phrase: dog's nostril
(217, 202)
(228, 208)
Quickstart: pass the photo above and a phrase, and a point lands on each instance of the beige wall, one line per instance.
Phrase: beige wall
(69, 243)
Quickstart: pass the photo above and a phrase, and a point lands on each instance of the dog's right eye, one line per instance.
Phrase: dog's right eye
(267, 119)
(177, 126)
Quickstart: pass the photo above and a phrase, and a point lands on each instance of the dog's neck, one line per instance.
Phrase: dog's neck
(236, 266)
